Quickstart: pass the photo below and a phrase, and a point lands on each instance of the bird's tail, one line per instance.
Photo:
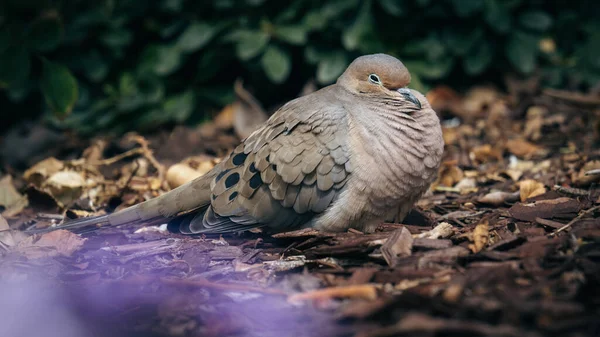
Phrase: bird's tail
(185, 198)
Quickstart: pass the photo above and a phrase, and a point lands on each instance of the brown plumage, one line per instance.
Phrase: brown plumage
(347, 156)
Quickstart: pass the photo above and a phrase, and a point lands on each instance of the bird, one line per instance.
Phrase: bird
(349, 155)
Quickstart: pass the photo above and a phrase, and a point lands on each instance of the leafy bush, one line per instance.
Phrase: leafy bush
(122, 65)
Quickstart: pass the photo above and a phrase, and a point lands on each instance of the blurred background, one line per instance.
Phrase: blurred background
(109, 66)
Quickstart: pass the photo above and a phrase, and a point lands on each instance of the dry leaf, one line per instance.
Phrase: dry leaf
(442, 231)
(498, 198)
(224, 120)
(485, 153)
(39, 172)
(534, 123)
(248, 114)
(480, 237)
(584, 180)
(12, 201)
(180, 174)
(59, 242)
(65, 186)
(530, 188)
(450, 174)
(523, 149)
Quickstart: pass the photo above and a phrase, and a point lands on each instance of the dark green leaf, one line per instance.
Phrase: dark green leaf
(431, 69)
(14, 65)
(521, 50)
(179, 107)
(331, 67)
(417, 84)
(94, 66)
(117, 38)
(292, 34)
(535, 20)
(478, 59)
(249, 43)
(460, 41)
(59, 88)
(196, 36)
(160, 59)
(315, 20)
(467, 7)
(497, 15)
(45, 34)
(313, 55)
(392, 7)
(277, 64)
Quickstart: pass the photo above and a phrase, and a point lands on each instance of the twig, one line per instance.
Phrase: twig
(584, 213)
(148, 154)
(112, 160)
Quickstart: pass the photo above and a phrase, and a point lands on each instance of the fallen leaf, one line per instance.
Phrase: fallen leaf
(498, 198)
(248, 114)
(39, 172)
(180, 174)
(480, 237)
(534, 122)
(530, 188)
(485, 153)
(581, 179)
(524, 149)
(442, 231)
(55, 243)
(12, 201)
(450, 174)
(65, 186)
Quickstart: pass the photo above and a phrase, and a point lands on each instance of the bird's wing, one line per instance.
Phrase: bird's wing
(285, 173)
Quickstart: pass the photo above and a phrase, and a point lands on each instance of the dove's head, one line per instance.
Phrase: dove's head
(382, 78)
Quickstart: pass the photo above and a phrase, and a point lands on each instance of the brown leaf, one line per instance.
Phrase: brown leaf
(59, 242)
(65, 186)
(248, 114)
(450, 174)
(12, 201)
(485, 153)
(530, 188)
(480, 236)
(523, 149)
(39, 172)
(581, 179)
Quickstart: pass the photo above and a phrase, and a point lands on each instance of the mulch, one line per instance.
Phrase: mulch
(507, 243)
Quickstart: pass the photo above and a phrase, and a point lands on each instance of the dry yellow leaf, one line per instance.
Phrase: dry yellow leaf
(39, 172)
(480, 236)
(522, 148)
(485, 153)
(530, 188)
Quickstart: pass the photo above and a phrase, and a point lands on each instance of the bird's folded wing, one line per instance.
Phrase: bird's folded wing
(283, 175)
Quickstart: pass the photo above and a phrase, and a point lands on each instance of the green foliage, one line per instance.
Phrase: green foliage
(122, 65)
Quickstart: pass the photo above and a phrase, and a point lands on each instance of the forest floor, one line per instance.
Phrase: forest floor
(506, 243)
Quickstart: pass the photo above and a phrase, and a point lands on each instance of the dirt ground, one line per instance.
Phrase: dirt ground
(506, 243)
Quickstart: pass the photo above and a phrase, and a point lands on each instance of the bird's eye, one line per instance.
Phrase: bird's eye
(374, 79)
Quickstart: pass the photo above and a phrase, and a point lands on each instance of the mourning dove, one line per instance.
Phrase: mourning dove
(350, 155)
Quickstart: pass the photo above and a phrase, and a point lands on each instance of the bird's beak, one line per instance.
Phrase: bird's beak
(409, 96)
